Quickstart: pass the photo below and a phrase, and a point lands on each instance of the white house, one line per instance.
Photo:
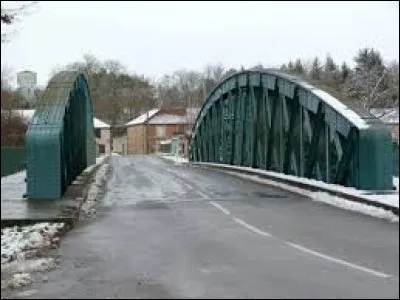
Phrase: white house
(102, 135)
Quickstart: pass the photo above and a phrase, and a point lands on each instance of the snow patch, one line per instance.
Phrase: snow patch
(30, 265)
(389, 199)
(176, 158)
(17, 280)
(26, 294)
(13, 186)
(99, 160)
(396, 183)
(143, 118)
(99, 124)
(88, 207)
(257, 179)
(341, 108)
(169, 119)
(354, 206)
(392, 198)
(18, 242)
(326, 198)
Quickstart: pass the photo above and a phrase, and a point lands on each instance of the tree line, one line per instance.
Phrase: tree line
(371, 83)
(119, 95)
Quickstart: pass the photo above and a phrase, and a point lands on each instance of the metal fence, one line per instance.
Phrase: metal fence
(12, 160)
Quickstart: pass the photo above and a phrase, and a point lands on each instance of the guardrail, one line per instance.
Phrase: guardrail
(299, 184)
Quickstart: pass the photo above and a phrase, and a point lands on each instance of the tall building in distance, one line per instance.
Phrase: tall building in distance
(27, 81)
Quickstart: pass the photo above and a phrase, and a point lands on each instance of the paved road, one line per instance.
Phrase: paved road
(174, 231)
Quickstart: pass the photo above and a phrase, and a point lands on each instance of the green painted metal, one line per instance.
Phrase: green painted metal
(12, 160)
(60, 140)
(395, 158)
(274, 121)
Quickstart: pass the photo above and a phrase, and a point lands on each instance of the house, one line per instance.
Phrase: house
(147, 132)
(101, 130)
(102, 135)
(120, 140)
(389, 116)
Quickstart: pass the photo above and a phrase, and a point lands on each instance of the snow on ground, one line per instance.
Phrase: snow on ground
(88, 207)
(22, 265)
(396, 183)
(20, 246)
(17, 241)
(390, 198)
(99, 160)
(17, 280)
(354, 206)
(13, 186)
(329, 199)
(175, 158)
(19, 273)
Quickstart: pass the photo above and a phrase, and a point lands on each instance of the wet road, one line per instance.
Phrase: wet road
(175, 231)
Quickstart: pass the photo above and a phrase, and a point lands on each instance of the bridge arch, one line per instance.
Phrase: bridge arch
(60, 140)
(273, 121)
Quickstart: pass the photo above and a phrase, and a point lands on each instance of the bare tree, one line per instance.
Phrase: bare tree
(372, 84)
(213, 74)
(6, 77)
(374, 88)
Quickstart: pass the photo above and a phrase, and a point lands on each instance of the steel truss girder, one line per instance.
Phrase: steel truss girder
(60, 140)
(273, 121)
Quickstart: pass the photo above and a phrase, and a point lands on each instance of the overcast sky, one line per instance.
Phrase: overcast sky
(155, 38)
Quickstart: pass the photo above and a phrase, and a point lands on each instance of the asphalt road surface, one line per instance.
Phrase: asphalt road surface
(175, 231)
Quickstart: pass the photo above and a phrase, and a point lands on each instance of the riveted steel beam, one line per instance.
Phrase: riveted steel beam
(270, 120)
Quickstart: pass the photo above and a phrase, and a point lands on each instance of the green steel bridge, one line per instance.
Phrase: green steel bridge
(272, 121)
(259, 119)
(60, 140)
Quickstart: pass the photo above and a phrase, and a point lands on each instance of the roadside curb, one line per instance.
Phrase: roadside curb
(302, 185)
(69, 205)
(164, 157)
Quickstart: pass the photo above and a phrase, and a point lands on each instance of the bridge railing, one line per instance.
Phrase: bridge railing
(60, 140)
(277, 122)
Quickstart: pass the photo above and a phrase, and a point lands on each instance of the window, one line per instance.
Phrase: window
(160, 131)
(102, 149)
(97, 132)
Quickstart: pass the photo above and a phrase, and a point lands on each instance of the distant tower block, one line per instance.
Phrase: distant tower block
(27, 81)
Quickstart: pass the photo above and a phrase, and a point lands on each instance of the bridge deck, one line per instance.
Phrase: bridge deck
(172, 231)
